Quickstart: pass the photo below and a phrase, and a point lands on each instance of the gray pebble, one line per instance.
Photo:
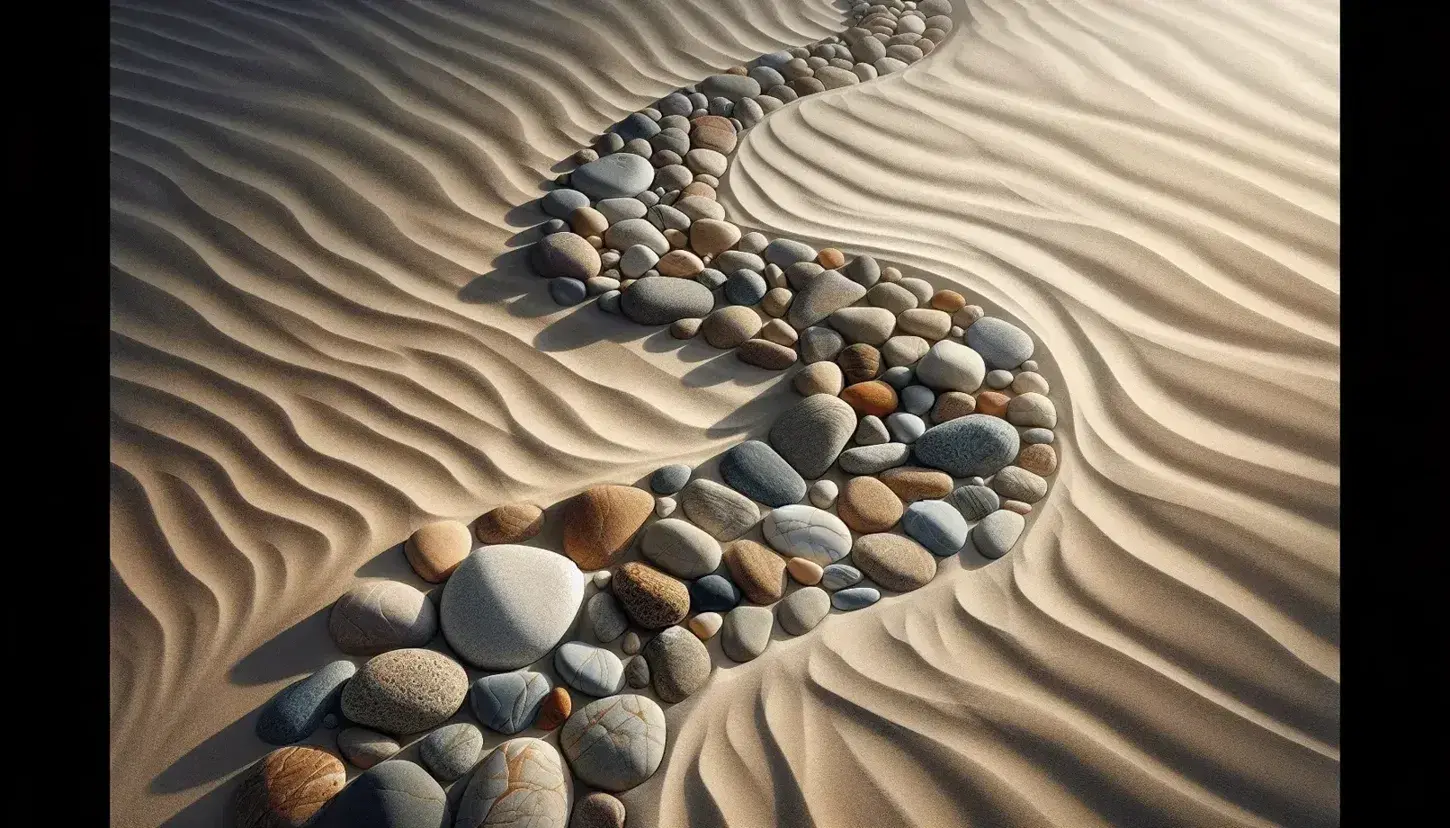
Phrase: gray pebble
(995, 534)
(452, 750)
(661, 300)
(977, 444)
(854, 598)
(508, 702)
(839, 576)
(1001, 344)
(874, 459)
(974, 501)
(1037, 435)
(605, 617)
(905, 427)
(936, 525)
(567, 291)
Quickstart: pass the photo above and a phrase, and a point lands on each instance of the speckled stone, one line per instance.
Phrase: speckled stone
(598, 810)
(1029, 382)
(820, 297)
(823, 494)
(865, 325)
(854, 598)
(605, 617)
(435, 549)
(995, 534)
(405, 691)
(661, 300)
(896, 563)
(993, 403)
(1001, 344)
(509, 523)
(1032, 410)
(287, 788)
(802, 610)
(297, 711)
(746, 633)
(936, 525)
(1038, 458)
(721, 511)
(912, 483)
(755, 470)
(668, 480)
(804, 531)
(713, 593)
(758, 571)
(1036, 436)
(565, 255)
(868, 505)
(819, 343)
(762, 353)
(976, 444)
(874, 459)
(636, 672)
(839, 576)
(811, 434)
(680, 548)
(393, 794)
(679, 664)
(522, 782)
(819, 378)
(451, 751)
(615, 743)
(953, 405)
(1015, 483)
(507, 606)
(951, 366)
(651, 599)
(614, 176)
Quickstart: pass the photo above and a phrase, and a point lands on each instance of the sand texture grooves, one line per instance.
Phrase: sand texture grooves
(305, 367)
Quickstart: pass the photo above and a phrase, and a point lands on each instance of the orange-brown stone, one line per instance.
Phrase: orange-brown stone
(601, 522)
(874, 397)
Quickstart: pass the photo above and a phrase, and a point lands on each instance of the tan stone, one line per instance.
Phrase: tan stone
(678, 240)
(587, 221)
(895, 562)
(710, 237)
(756, 569)
(287, 787)
(819, 378)
(601, 522)
(804, 571)
(1039, 458)
(763, 353)
(967, 315)
(777, 301)
(867, 505)
(873, 397)
(912, 483)
(436, 549)
(948, 300)
(993, 403)
(685, 328)
(779, 332)
(929, 324)
(699, 188)
(680, 264)
(713, 132)
(730, 326)
(830, 258)
(650, 598)
(509, 523)
(951, 405)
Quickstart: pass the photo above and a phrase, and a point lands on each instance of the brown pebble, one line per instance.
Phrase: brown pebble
(680, 264)
(598, 810)
(859, 363)
(436, 549)
(678, 240)
(911, 483)
(287, 787)
(993, 403)
(951, 405)
(830, 258)
(866, 505)
(872, 397)
(713, 132)
(735, 70)
(763, 353)
(699, 188)
(601, 522)
(1017, 506)
(779, 332)
(949, 301)
(756, 569)
(967, 315)
(650, 598)
(804, 571)
(777, 301)
(555, 710)
(1039, 458)
(509, 523)
(685, 328)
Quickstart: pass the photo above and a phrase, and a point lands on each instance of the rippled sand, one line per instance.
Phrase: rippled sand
(306, 366)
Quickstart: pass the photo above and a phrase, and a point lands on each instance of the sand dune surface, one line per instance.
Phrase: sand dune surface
(324, 335)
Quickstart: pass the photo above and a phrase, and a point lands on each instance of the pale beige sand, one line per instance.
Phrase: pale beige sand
(301, 191)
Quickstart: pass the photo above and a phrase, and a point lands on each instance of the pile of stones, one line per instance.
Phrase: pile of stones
(924, 429)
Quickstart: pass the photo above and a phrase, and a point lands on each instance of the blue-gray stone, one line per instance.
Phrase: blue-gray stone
(614, 176)
(855, 598)
(561, 203)
(553, 226)
(812, 433)
(711, 278)
(785, 252)
(733, 260)
(567, 291)
(1037, 435)
(974, 501)
(713, 593)
(668, 480)
(974, 445)
(775, 60)
(616, 210)
(900, 377)
(745, 288)
(937, 525)
(661, 300)
(394, 794)
(839, 576)
(298, 710)
(675, 103)
(724, 107)
(733, 87)
(995, 534)
(905, 427)
(766, 76)
(451, 750)
(917, 399)
(637, 125)
(609, 301)
(593, 671)
(873, 459)
(757, 471)
(1001, 344)
(509, 702)
(863, 270)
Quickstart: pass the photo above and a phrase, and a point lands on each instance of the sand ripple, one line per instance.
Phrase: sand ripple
(305, 368)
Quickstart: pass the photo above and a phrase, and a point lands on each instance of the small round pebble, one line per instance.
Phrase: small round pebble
(665, 506)
(363, 748)
(452, 750)
(670, 479)
(855, 598)
(555, 710)
(804, 571)
(713, 593)
(706, 624)
(823, 493)
(631, 644)
(839, 576)
(598, 810)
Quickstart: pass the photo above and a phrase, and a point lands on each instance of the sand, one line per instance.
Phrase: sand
(306, 366)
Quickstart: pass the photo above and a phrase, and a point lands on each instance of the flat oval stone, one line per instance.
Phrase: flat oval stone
(606, 617)
(452, 750)
(804, 571)
(974, 502)
(713, 593)
(680, 548)
(807, 532)
(975, 445)
(593, 671)
(820, 297)
(755, 470)
(375, 616)
(872, 326)
(650, 598)
(1001, 344)
(620, 175)
(363, 748)
(287, 787)
(732, 260)
(759, 572)
(436, 548)
(803, 609)
(555, 710)
(660, 300)
(912, 483)
(509, 523)
(839, 576)
(936, 525)
(615, 743)
(631, 233)
(1036, 436)
(1016, 483)
(819, 378)
(871, 431)
(951, 366)
(811, 434)
(522, 782)
(746, 633)
(928, 323)
(891, 297)
(731, 87)
(405, 691)
(668, 480)
(721, 511)
(600, 523)
(393, 794)
(618, 209)
(710, 237)
(896, 563)
(952, 404)
(785, 252)
(995, 534)
(730, 326)
(565, 255)
(1038, 458)
(867, 505)
(507, 606)
(1032, 410)
(297, 711)
(917, 399)
(855, 598)
(705, 625)
(765, 354)
(823, 494)
(871, 398)
(568, 292)
(875, 459)
(679, 664)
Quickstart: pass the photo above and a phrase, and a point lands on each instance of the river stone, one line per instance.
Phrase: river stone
(721, 511)
(872, 326)
(823, 493)
(393, 794)
(917, 399)
(668, 480)
(405, 691)
(731, 87)
(1037, 436)
(679, 548)
(820, 344)
(733, 260)
(996, 533)
(803, 609)
(951, 366)
(509, 702)
(839, 576)
(522, 782)
(616, 743)
(745, 287)
(900, 377)
(785, 252)
(911, 483)
(618, 209)
(974, 445)
(811, 434)
(1001, 344)
(936, 525)
(598, 810)
(819, 378)
(506, 606)
(699, 207)
(296, 712)
(679, 664)
(665, 506)
(870, 399)
(759, 572)
(952, 404)
(636, 672)
(287, 788)
(1016, 483)
(705, 625)
(1038, 459)
(620, 175)
(821, 297)
(874, 459)
(680, 264)
(904, 427)
(713, 593)
(854, 598)
(636, 125)
(509, 523)
(659, 300)
(746, 633)
(804, 531)
(436, 548)
(755, 469)
(375, 616)
(896, 563)
(605, 617)
(867, 505)
(871, 431)
(601, 522)
(650, 598)
(863, 270)
(591, 670)
(565, 255)
(1032, 410)
(891, 297)
(555, 710)
(903, 350)
(631, 233)
(710, 237)
(974, 502)
(451, 751)
(765, 354)
(363, 748)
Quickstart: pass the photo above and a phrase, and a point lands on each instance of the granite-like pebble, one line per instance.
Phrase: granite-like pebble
(393, 794)
(721, 511)
(871, 431)
(405, 691)
(819, 344)
(679, 664)
(875, 459)
(605, 617)
(995, 534)
(976, 444)
(363, 748)
(451, 751)
(650, 598)
(803, 609)
(819, 378)
(1032, 410)
(951, 366)
(680, 548)
(873, 326)
(822, 296)
(565, 255)
(896, 563)
(867, 505)
(661, 300)
(811, 434)
(620, 175)
(758, 571)
(598, 810)
(1038, 458)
